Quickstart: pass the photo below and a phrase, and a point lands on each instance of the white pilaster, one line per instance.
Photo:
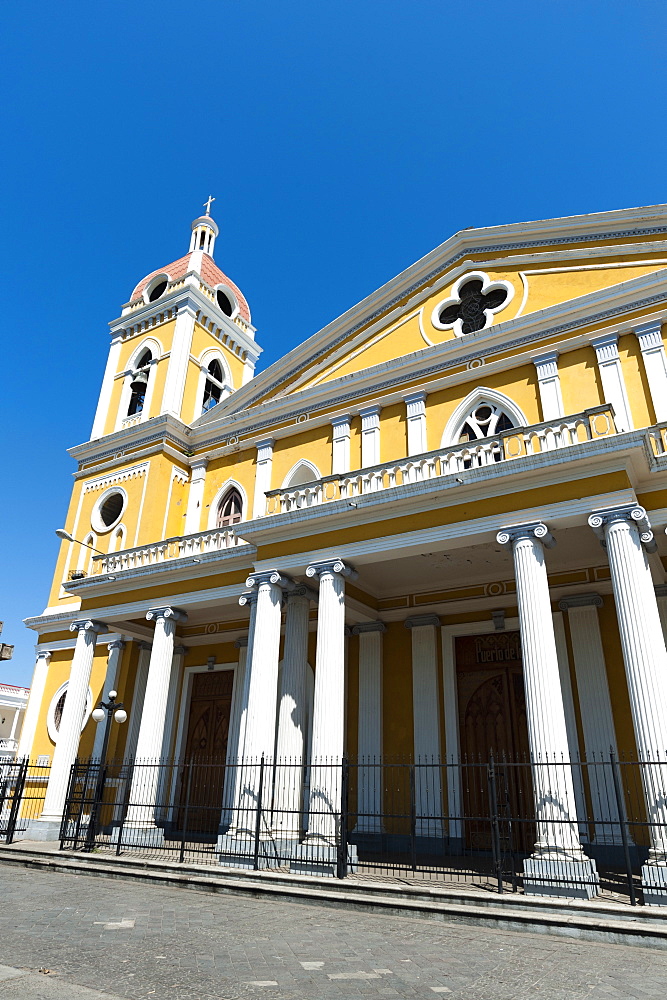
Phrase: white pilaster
(555, 804)
(626, 532)
(425, 631)
(548, 382)
(107, 387)
(172, 397)
(138, 696)
(613, 383)
(340, 457)
(146, 776)
(175, 682)
(595, 708)
(292, 716)
(34, 703)
(110, 684)
(369, 749)
(195, 496)
(15, 722)
(69, 733)
(329, 706)
(415, 415)
(370, 436)
(234, 772)
(655, 365)
(262, 476)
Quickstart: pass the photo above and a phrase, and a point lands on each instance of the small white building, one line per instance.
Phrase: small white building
(13, 702)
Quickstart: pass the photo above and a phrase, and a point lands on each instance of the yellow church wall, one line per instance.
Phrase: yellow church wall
(579, 380)
(204, 340)
(546, 290)
(313, 444)
(618, 688)
(397, 721)
(636, 383)
(239, 467)
(393, 432)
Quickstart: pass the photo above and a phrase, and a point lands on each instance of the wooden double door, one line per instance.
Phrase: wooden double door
(202, 779)
(493, 722)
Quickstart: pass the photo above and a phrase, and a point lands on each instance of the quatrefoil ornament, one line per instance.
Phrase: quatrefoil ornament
(474, 301)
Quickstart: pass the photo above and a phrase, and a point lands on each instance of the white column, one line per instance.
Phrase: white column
(69, 733)
(369, 749)
(138, 696)
(655, 365)
(548, 383)
(328, 740)
(555, 805)
(166, 773)
(262, 476)
(340, 456)
(110, 681)
(107, 386)
(34, 703)
(15, 722)
(292, 716)
(595, 708)
(260, 724)
(370, 436)
(195, 496)
(146, 776)
(613, 383)
(174, 386)
(626, 533)
(415, 406)
(661, 595)
(425, 630)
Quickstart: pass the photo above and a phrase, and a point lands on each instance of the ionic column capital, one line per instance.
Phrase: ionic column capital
(241, 642)
(88, 625)
(419, 621)
(118, 644)
(580, 601)
(633, 514)
(44, 654)
(334, 567)
(181, 650)
(167, 614)
(533, 530)
(272, 576)
(303, 591)
(364, 627)
(248, 597)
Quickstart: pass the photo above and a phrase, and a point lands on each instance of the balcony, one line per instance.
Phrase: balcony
(519, 442)
(193, 546)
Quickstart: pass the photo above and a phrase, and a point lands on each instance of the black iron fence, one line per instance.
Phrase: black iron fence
(574, 828)
(22, 789)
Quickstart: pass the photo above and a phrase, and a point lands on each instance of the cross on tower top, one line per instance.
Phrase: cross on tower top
(207, 204)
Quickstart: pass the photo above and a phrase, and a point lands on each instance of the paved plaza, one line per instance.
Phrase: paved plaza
(94, 938)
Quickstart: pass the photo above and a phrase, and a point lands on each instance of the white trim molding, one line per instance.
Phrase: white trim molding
(229, 484)
(652, 347)
(50, 713)
(611, 376)
(262, 476)
(415, 416)
(340, 447)
(303, 463)
(370, 435)
(548, 381)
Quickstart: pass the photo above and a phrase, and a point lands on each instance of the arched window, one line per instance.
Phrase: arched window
(213, 386)
(304, 472)
(230, 509)
(139, 383)
(484, 420)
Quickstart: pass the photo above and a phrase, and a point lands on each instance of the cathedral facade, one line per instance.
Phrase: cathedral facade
(435, 530)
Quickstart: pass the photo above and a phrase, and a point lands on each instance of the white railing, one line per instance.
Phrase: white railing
(657, 437)
(130, 421)
(171, 548)
(8, 746)
(14, 691)
(519, 442)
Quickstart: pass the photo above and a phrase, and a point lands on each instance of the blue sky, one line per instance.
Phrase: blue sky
(342, 141)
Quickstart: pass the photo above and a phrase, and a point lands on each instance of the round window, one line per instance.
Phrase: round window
(54, 715)
(109, 509)
(157, 291)
(224, 302)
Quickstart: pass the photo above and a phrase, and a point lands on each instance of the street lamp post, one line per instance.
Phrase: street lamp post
(112, 709)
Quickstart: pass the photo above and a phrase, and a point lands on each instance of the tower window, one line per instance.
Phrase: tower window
(230, 509)
(157, 291)
(139, 384)
(213, 386)
(224, 302)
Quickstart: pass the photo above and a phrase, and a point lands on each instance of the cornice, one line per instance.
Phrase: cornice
(161, 428)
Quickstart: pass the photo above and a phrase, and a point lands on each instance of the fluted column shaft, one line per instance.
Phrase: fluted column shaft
(369, 743)
(329, 704)
(555, 805)
(626, 531)
(292, 716)
(113, 662)
(146, 776)
(69, 733)
(37, 686)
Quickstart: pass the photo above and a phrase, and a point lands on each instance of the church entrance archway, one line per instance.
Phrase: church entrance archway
(492, 721)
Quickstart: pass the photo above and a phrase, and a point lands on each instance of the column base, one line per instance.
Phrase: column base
(138, 836)
(543, 876)
(46, 829)
(654, 884)
(319, 858)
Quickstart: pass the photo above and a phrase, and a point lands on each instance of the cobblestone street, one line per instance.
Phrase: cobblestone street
(145, 942)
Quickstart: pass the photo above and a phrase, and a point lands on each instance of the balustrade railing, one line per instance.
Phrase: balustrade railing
(181, 547)
(519, 442)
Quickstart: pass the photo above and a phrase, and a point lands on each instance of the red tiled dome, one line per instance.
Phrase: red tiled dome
(210, 273)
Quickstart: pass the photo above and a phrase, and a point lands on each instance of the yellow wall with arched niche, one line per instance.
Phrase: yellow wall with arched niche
(520, 385)
(311, 443)
(239, 467)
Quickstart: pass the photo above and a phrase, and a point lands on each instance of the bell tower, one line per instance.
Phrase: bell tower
(182, 343)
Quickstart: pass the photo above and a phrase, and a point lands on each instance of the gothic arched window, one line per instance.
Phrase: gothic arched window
(230, 509)
(213, 386)
(484, 420)
(139, 383)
